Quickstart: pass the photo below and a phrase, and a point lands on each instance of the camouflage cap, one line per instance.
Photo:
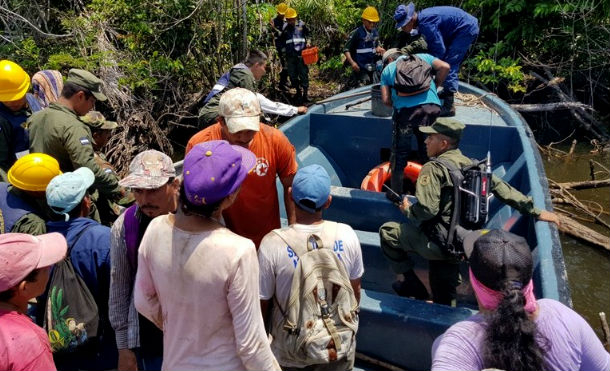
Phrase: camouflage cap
(446, 126)
(149, 170)
(88, 81)
(96, 120)
(241, 110)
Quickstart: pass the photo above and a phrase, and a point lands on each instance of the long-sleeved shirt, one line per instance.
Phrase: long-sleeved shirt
(121, 311)
(90, 256)
(131, 330)
(441, 25)
(58, 132)
(201, 288)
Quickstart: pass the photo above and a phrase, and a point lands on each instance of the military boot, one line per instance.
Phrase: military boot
(448, 108)
(412, 287)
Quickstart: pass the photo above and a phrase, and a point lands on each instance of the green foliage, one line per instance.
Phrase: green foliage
(506, 70)
(334, 68)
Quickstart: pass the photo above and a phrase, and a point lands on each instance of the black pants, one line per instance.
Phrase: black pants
(406, 124)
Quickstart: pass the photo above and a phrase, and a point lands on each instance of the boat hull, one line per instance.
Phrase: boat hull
(348, 143)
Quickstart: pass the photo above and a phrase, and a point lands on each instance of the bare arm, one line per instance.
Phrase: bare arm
(348, 57)
(290, 213)
(265, 305)
(386, 96)
(442, 70)
(356, 285)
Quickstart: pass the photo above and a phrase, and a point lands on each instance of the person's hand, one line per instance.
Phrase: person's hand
(404, 204)
(301, 109)
(127, 360)
(355, 67)
(380, 50)
(548, 216)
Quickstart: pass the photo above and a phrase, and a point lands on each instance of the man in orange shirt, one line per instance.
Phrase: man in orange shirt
(256, 210)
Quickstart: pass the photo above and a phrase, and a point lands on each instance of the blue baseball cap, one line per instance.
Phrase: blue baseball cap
(66, 191)
(311, 183)
(403, 15)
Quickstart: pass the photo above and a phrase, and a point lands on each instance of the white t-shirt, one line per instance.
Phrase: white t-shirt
(200, 288)
(277, 264)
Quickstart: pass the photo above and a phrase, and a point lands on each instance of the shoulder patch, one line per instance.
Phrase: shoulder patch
(424, 180)
(84, 141)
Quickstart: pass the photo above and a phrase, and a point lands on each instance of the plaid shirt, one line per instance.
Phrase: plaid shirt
(121, 310)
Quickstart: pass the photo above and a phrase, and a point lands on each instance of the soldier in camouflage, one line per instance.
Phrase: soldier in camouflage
(101, 131)
(429, 219)
(58, 131)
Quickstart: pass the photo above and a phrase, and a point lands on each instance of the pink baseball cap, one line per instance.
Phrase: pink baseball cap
(22, 253)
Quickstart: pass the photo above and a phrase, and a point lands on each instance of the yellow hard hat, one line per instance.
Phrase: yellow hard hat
(281, 8)
(14, 81)
(370, 14)
(33, 172)
(290, 13)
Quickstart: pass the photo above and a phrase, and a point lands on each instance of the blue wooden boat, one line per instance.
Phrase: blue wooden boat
(350, 142)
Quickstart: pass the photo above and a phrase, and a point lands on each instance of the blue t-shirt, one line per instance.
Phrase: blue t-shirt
(387, 79)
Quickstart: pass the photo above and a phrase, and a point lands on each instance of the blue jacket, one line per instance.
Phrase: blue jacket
(366, 42)
(441, 25)
(295, 38)
(12, 208)
(91, 260)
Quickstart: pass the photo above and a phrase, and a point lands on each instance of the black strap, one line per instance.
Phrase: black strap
(456, 178)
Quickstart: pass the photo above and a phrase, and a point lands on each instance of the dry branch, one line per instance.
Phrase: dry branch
(605, 329)
(561, 192)
(585, 184)
(586, 120)
(549, 106)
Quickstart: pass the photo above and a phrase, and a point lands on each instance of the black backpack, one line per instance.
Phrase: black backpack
(71, 315)
(413, 76)
(471, 194)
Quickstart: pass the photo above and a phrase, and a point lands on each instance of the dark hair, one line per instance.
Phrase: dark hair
(8, 294)
(254, 57)
(510, 338)
(205, 210)
(71, 88)
(309, 204)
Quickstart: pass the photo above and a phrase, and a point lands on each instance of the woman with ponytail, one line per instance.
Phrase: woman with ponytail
(513, 331)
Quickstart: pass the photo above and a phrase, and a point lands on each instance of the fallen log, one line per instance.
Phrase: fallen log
(575, 229)
(586, 184)
(586, 120)
(560, 192)
(546, 107)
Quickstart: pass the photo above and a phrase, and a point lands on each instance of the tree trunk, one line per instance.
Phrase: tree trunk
(586, 184)
(581, 232)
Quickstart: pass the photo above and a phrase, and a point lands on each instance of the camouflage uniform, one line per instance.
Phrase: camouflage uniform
(108, 209)
(58, 132)
(431, 216)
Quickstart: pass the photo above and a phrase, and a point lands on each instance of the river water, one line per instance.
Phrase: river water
(588, 266)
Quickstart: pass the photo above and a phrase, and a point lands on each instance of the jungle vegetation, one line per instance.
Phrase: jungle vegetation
(159, 58)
